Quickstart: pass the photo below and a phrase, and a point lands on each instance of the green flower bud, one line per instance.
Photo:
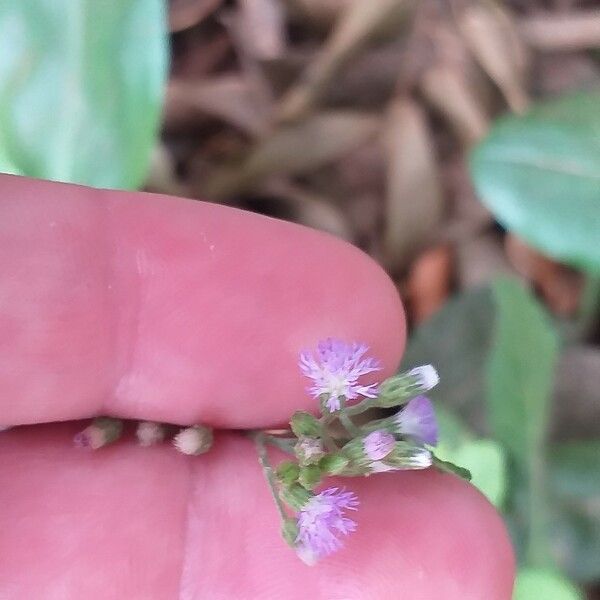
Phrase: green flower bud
(310, 477)
(333, 464)
(397, 390)
(287, 472)
(289, 531)
(295, 496)
(305, 424)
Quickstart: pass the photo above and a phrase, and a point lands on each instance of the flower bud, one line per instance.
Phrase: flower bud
(310, 477)
(149, 433)
(403, 457)
(287, 472)
(309, 450)
(295, 496)
(305, 424)
(333, 464)
(101, 432)
(396, 390)
(194, 440)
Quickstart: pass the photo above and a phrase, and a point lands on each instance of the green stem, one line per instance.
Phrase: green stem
(284, 444)
(359, 408)
(329, 441)
(349, 426)
(263, 459)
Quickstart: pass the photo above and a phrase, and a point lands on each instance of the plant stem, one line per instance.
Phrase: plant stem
(349, 426)
(263, 459)
(359, 408)
(283, 443)
(329, 442)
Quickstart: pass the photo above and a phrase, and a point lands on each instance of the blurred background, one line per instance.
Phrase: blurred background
(455, 141)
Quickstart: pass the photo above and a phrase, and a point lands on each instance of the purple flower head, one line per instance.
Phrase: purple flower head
(378, 444)
(335, 369)
(418, 420)
(321, 520)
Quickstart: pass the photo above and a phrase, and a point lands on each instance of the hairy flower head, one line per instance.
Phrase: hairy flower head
(335, 369)
(321, 521)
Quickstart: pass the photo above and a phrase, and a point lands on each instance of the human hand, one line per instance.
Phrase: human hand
(153, 308)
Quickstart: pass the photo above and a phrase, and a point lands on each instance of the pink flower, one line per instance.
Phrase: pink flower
(378, 444)
(417, 420)
(320, 522)
(335, 370)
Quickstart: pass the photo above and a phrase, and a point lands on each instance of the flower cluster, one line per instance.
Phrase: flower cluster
(337, 444)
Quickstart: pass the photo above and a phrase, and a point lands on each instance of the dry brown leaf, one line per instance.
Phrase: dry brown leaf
(414, 202)
(228, 97)
(560, 286)
(446, 89)
(311, 209)
(428, 283)
(321, 13)
(184, 14)
(494, 40)
(479, 259)
(297, 148)
(576, 406)
(263, 28)
(571, 31)
(359, 23)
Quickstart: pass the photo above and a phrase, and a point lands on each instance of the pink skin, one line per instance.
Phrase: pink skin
(155, 308)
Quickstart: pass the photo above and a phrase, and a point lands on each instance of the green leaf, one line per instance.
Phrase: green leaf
(575, 470)
(81, 85)
(574, 481)
(538, 584)
(539, 174)
(457, 341)
(486, 461)
(520, 372)
(449, 467)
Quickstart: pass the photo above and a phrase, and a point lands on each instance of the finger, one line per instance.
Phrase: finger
(145, 306)
(148, 523)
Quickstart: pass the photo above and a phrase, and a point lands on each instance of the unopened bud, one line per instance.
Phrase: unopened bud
(305, 424)
(405, 456)
(310, 477)
(287, 472)
(333, 464)
(101, 432)
(295, 496)
(194, 440)
(398, 389)
(149, 433)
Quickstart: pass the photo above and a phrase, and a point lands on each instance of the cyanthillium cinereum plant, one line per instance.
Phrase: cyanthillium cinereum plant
(343, 441)
(337, 444)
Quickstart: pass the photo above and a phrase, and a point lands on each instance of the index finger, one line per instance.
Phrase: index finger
(150, 307)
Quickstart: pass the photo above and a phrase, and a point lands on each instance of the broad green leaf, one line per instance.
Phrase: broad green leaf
(575, 539)
(543, 584)
(574, 471)
(457, 341)
(520, 372)
(574, 482)
(539, 174)
(486, 462)
(81, 85)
